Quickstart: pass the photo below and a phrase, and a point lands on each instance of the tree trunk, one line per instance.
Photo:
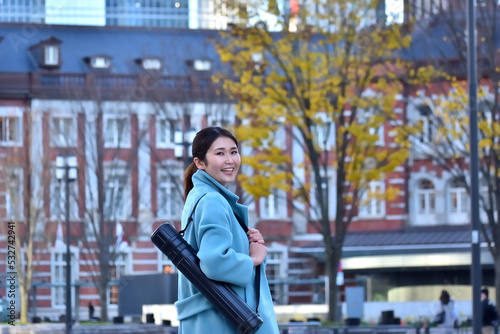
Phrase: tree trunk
(23, 315)
(331, 269)
(103, 300)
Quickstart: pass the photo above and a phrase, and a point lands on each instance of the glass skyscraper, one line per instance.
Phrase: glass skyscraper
(146, 13)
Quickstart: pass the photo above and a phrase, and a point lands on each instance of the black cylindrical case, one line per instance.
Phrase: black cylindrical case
(184, 257)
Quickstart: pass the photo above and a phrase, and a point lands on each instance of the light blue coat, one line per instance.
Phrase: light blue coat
(222, 247)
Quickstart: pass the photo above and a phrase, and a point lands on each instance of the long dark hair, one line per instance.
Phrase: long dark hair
(445, 297)
(201, 143)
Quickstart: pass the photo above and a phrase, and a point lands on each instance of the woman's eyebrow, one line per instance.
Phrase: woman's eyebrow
(223, 148)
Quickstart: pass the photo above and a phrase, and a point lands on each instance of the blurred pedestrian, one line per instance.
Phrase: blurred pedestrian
(91, 311)
(449, 319)
(490, 313)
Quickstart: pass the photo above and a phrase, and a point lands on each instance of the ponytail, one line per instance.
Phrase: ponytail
(188, 181)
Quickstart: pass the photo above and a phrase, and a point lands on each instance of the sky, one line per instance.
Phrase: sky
(394, 11)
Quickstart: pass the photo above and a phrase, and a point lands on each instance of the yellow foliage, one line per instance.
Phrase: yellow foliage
(312, 77)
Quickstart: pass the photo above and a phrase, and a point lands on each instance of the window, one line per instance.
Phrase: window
(485, 192)
(328, 193)
(459, 200)
(117, 197)
(169, 196)
(324, 132)
(369, 116)
(202, 65)
(273, 206)
(165, 132)
(372, 205)
(276, 269)
(57, 199)
(276, 138)
(379, 132)
(47, 53)
(59, 276)
(14, 196)
(58, 273)
(116, 270)
(426, 197)
(100, 62)
(426, 135)
(51, 55)
(151, 64)
(220, 118)
(487, 201)
(165, 265)
(63, 132)
(10, 130)
(116, 131)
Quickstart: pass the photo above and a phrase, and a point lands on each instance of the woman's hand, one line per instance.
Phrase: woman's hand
(255, 236)
(258, 253)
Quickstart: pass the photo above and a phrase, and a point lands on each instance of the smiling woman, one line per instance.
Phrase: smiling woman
(222, 160)
(217, 233)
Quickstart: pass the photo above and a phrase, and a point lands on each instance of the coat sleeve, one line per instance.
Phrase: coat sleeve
(223, 256)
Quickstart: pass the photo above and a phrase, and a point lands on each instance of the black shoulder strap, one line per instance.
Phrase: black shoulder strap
(257, 269)
(245, 228)
(190, 219)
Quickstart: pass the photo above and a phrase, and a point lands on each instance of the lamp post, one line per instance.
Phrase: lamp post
(183, 141)
(66, 170)
(476, 275)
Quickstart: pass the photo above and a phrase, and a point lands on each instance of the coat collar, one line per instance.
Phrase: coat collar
(202, 179)
(206, 179)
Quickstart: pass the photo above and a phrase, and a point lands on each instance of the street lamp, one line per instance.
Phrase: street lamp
(183, 140)
(66, 170)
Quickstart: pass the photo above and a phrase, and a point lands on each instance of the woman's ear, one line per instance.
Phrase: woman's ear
(199, 164)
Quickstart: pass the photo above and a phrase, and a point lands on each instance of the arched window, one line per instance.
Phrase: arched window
(426, 197)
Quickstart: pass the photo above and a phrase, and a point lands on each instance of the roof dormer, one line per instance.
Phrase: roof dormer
(150, 63)
(98, 62)
(48, 53)
(200, 64)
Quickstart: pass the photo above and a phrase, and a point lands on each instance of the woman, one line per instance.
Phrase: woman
(447, 305)
(226, 252)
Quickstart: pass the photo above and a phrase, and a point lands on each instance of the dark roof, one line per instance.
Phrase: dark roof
(412, 240)
(442, 36)
(410, 236)
(123, 44)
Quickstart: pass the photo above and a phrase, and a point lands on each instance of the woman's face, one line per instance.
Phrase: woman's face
(222, 160)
